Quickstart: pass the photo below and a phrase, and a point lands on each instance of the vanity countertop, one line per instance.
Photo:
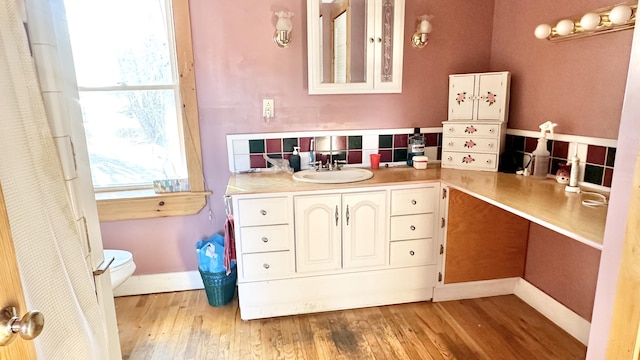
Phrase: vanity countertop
(542, 201)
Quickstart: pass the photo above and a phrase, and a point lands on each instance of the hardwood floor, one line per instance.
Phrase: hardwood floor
(182, 325)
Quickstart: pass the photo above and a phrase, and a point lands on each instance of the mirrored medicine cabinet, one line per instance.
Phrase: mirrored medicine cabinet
(355, 46)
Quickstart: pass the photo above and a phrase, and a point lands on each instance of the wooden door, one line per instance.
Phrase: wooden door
(461, 93)
(624, 338)
(364, 229)
(317, 229)
(11, 293)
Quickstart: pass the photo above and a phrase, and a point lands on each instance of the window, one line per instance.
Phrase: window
(139, 106)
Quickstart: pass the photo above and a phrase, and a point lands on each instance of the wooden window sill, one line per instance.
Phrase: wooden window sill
(145, 204)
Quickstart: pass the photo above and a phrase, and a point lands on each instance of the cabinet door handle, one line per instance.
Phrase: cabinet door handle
(265, 239)
(337, 215)
(412, 252)
(413, 228)
(379, 40)
(371, 40)
(347, 215)
(266, 266)
(413, 202)
(263, 212)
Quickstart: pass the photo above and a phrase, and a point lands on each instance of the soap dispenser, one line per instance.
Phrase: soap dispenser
(294, 160)
(415, 146)
(541, 156)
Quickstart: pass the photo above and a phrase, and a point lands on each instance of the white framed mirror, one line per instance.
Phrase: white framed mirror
(355, 46)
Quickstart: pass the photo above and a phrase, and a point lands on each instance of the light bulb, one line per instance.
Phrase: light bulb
(564, 27)
(542, 31)
(590, 21)
(620, 14)
(284, 21)
(424, 27)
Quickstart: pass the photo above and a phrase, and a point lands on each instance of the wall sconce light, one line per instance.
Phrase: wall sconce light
(600, 21)
(282, 36)
(421, 37)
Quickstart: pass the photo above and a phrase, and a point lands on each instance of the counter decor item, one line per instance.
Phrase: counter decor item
(420, 162)
(563, 173)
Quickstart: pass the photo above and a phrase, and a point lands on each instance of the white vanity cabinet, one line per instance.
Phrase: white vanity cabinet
(474, 135)
(336, 231)
(331, 249)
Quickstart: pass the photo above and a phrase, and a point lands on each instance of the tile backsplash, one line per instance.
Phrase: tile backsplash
(247, 150)
(596, 161)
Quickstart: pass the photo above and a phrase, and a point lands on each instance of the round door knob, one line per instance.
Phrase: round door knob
(29, 327)
(413, 228)
(413, 202)
(371, 40)
(263, 212)
(265, 239)
(266, 266)
(412, 252)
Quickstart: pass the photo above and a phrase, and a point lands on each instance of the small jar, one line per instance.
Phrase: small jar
(420, 162)
(563, 173)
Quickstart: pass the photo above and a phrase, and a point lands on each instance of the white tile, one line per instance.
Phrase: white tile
(240, 147)
(366, 159)
(241, 163)
(369, 142)
(431, 152)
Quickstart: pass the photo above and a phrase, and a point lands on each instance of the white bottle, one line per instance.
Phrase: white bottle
(575, 173)
(541, 156)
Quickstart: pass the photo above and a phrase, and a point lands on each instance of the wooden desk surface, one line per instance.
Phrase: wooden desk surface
(541, 201)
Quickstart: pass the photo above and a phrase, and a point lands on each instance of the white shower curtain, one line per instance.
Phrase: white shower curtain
(55, 276)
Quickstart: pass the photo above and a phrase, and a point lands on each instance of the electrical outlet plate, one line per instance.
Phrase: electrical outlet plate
(267, 108)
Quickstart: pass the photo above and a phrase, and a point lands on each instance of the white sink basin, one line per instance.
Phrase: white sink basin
(344, 175)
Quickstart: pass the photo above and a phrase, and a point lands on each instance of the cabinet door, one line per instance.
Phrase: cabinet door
(388, 42)
(491, 96)
(364, 229)
(317, 230)
(461, 97)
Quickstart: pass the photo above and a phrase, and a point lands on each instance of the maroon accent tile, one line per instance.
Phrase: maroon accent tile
(400, 141)
(323, 157)
(257, 161)
(608, 176)
(431, 139)
(274, 145)
(305, 144)
(560, 149)
(339, 143)
(354, 157)
(386, 155)
(286, 156)
(530, 144)
(596, 154)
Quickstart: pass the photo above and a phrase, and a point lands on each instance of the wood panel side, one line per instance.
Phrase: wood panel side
(483, 241)
(624, 337)
(11, 293)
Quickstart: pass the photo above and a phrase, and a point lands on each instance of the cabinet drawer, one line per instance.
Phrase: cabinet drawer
(268, 265)
(413, 201)
(470, 144)
(469, 160)
(471, 130)
(264, 238)
(411, 252)
(265, 211)
(411, 227)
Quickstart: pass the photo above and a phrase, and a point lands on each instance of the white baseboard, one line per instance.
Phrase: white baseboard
(159, 283)
(474, 289)
(561, 315)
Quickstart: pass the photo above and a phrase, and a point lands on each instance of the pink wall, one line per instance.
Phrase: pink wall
(565, 269)
(578, 84)
(237, 64)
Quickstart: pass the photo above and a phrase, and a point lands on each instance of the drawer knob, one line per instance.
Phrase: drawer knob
(490, 145)
(263, 212)
(413, 202)
(491, 130)
(450, 143)
(266, 266)
(265, 239)
(449, 158)
(412, 252)
(413, 228)
(451, 129)
(488, 161)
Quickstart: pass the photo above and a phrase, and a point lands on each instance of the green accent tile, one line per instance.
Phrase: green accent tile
(288, 144)
(611, 156)
(400, 155)
(342, 155)
(593, 174)
(273, 156)
(385, 141)
(256, 146)
(355, 142)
